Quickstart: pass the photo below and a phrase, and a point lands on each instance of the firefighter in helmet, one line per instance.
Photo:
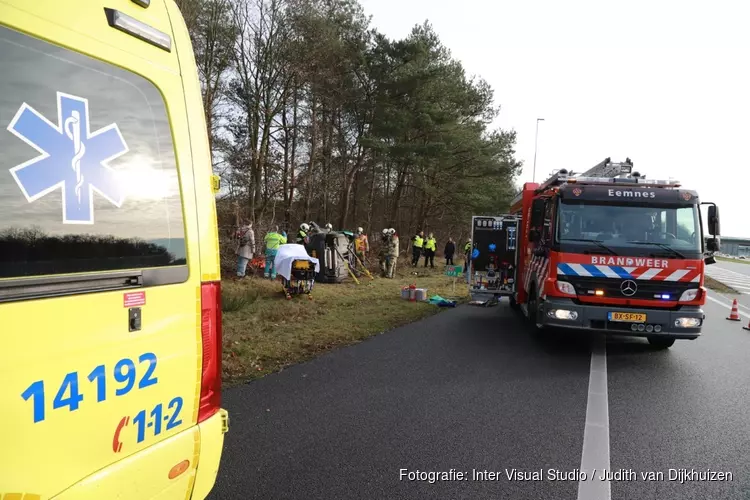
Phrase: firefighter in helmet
(384, 251)
(393, 250)
(361, 245)
(304, 228)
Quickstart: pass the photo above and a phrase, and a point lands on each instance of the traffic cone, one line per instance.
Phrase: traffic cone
(747, 327)
(735, 314)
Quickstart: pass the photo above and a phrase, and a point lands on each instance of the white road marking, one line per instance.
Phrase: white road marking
(731, 278)
(595, 455)
(729, 306)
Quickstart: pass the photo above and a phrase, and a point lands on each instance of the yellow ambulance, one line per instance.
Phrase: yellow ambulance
(110, 299)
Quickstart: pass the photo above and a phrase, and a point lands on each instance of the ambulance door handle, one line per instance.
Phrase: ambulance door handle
(134, 319)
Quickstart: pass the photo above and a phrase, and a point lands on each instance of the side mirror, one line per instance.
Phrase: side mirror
(714, 226)
(537, 212)
(534, 236)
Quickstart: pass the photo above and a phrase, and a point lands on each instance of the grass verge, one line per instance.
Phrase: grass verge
(718, 286)
(263, 332)
(738, 261)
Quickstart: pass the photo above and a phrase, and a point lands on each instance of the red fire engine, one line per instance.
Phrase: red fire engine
(612, 251)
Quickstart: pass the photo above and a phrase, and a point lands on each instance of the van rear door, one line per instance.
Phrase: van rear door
(99, 266)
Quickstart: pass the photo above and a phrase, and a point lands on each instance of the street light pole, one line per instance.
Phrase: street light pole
(536, 142)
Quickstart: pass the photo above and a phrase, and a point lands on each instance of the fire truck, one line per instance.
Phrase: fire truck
(607, 250)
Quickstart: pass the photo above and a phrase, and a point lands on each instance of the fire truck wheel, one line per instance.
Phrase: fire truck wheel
(513, 304)
(661, 342)
(533, 307)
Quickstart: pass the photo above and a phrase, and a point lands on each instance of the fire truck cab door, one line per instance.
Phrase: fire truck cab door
(493, 255)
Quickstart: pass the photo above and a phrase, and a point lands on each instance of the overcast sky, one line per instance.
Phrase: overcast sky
(665, 82)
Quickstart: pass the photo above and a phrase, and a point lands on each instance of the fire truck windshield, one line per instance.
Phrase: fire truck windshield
(669, 230)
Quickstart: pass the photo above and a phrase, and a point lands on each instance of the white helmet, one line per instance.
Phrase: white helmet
(392, 231)
(386, 232)
(329, 226)
(304, 226)
(360, 230)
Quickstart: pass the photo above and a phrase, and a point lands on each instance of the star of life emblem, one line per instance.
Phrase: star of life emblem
(72, 158)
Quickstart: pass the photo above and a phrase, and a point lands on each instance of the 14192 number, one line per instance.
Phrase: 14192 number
(69, 393)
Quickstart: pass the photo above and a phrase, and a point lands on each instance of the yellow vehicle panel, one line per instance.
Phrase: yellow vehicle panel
(101, 355)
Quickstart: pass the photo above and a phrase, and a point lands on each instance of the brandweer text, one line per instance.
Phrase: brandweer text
(628, 261)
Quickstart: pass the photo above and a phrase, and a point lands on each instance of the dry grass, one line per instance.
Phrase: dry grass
(264, 332)
(718, 286)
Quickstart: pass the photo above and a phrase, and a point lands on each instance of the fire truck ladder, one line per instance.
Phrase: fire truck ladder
(608, 169)
(606, 172)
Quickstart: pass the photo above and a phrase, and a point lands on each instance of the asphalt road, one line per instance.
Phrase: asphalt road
(737, 276)
(471, 389)
(739, 266)
(730, 273)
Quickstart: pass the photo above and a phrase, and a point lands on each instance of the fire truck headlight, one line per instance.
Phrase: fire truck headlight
(566, 288)
(562, 314)
(689, 295)
(687, 322)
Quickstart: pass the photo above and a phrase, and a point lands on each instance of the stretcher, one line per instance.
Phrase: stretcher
(297, 270)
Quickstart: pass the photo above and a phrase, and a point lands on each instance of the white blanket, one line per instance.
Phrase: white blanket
(289, 253)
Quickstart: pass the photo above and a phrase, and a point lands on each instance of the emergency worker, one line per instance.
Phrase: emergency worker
(304, 228)
(273, 241)
(417, 242)
(467, 252)
(467, 255)
(393, 249)
(245, 247)
(430, 247)
(361, 245)
(384, 251)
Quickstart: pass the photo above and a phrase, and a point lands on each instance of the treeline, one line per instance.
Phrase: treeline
(30, 251)
(314, 115)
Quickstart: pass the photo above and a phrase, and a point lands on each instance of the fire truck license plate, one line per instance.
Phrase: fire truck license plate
(627, 317)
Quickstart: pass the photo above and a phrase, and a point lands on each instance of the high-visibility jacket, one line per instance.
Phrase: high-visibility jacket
(467, 247)
(430, 244)
(274, 240)
(418, 241)
(301, 235)
(361, 244)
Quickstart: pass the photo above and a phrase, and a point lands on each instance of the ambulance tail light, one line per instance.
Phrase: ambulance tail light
(210, 401)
